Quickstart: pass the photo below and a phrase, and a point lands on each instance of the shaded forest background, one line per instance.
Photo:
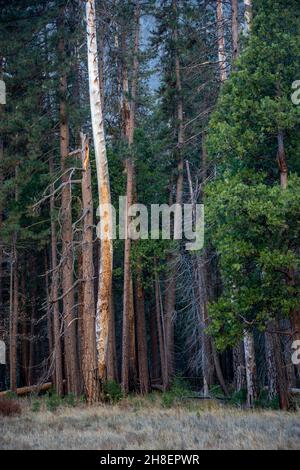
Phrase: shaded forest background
(197, 108)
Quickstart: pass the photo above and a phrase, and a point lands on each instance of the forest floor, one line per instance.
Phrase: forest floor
(145, 424)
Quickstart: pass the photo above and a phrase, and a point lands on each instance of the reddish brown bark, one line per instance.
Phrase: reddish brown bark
(170, 297)
(70, 343)
(57, 346)
(14, 311)
(154, 346)
(128, 338)
(235, 28)
(89, 358)
(141, 335)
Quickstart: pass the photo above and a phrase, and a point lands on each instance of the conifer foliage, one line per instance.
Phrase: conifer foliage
(165, 102)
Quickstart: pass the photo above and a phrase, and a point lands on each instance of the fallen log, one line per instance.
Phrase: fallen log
(295, 391)
(31, 389)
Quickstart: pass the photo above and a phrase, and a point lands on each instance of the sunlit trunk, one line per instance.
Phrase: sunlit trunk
(221, 42)
(104, 302)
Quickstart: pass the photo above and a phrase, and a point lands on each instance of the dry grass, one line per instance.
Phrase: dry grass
(9, 407)
(145, 424)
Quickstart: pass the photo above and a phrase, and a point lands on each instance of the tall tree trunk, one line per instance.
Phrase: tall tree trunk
(239, 367)
(57, 346)
(2, 322)
(235, 28)
(89, 353)
(201, 289)
(2, 326)
(161, 336)
(252, 393)
(295, 316)
(49, 316)
(24, 330)
(283, 168)
(270, 362)
(248, 15)
(282, 385)
(112, 365)
(70, 340)
(154, 345)
(141, 335)
(33, 339)
(170, 297)
(104, 304)
(1, 246)
(282, 161)
(210, 357)
(100, 10)
(128, 339)
(14, 307)
(221, 42)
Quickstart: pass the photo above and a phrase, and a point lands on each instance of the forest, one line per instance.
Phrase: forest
(167, 105)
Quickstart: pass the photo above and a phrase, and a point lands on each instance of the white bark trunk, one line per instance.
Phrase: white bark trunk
(250, 368)
(221, 42)
(106, 250)
(248, 15)
(271, 364)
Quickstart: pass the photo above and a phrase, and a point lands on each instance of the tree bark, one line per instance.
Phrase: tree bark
(104, 303)
(141, 336)
(170, 297)
(161, 337)
(2, 321)
(1, 246)
(295, 315)
(32, 337)
(239, 367)
(24, 330)
(252, 393)
(270, 362)
(282, 385)
(14, 307)
(27, 390)
(49, 317)
(235, 28)
(248, 15)
(112, 365)
(128, 339)
(221, 42)
(70, 340)
(57, 346)
(282, 161)
(154, 346)
(89, 356)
